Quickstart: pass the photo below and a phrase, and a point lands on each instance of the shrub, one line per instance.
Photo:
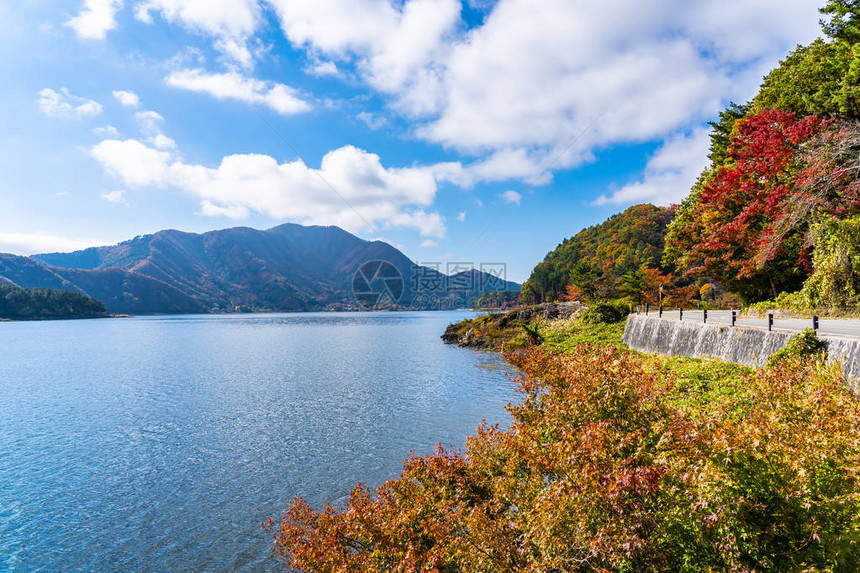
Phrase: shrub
(533, 332)
(604, 313)
(784, 301)
(801, 345)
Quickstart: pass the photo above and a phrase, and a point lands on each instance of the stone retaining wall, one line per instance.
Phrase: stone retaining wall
(749, 346)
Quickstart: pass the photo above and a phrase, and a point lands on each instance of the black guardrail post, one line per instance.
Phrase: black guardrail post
(734, 317)
(646, 309)
(815, 323)
(769, 322)
(705, 316)
(660, 311)
(680, 314)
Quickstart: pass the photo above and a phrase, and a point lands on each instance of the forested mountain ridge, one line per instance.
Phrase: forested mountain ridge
(601, 261)
(119, 290)
(286, 268)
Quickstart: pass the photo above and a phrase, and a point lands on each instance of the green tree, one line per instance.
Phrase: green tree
(632, 284)
(844, 21)
(585, 277)
(821, 78)
(20, 303)
(723, 129)
(835, 280)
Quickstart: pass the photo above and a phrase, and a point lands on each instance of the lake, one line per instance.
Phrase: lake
(161, 443)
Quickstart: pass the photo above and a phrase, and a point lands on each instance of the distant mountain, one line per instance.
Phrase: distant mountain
(286, 268)
(120, 291)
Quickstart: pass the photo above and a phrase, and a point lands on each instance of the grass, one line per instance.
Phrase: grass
(699, 386)
(564, 335)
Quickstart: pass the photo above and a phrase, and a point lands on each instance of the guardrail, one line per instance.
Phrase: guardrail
(679, 312)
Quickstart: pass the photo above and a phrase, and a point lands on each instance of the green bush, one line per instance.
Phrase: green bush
(800, 346)
(784, 301)
(605, 313)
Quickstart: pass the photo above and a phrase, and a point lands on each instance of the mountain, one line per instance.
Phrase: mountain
(119, 290)
(286, 268)
(606, 253)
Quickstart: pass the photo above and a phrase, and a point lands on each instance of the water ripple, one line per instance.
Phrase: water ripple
(161, 443)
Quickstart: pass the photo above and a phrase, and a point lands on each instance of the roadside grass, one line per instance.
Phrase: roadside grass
(697, 386)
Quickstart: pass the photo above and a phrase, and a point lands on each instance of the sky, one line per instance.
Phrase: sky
(479, 131)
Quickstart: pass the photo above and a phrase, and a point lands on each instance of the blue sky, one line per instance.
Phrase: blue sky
(476, 131)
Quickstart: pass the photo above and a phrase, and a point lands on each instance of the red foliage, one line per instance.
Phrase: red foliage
(749, 226)
(741, 208)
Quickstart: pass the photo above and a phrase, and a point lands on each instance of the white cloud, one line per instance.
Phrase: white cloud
(114, 196)
(461, 216)
(107, 131)
(642, 64)
(133, 161)
(233, 85)
(150, 125)
(127, 97)
(242, 184)
(236, 18)
(518, 89)
(669, 174)
(518, 93)
(400, 47)
(526, 81)
(511, 197)
(230, 23)
(64, 105)
(236, 51)
(149, 121)
(372, 121)
(96, 19)
(209, 209)
(161, 141)
(322, 68)
(38, 242)
(428, 243)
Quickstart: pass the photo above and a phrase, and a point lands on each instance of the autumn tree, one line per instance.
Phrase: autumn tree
(617, 247)
(655, 285)
(728, 230)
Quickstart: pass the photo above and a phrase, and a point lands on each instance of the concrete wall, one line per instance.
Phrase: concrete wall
(748, 346)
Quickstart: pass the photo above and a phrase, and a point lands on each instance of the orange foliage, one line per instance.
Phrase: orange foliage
(572, 293)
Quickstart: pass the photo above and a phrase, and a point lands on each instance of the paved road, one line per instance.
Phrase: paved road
(832, 327)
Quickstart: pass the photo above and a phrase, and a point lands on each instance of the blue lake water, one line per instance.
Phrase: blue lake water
(162, 443)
